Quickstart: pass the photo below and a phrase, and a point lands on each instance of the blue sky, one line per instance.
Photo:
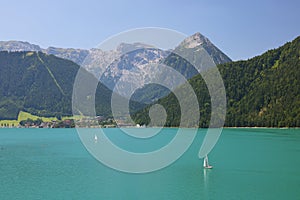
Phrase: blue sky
(241, 29)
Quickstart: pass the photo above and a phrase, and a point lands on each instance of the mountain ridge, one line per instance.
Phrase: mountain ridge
(78, 55)
(135, 59)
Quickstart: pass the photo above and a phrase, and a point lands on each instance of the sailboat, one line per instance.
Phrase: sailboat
(95, 138)
(206, 164)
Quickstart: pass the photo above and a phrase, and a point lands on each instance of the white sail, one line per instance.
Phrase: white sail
(205, 163)
(95, 138)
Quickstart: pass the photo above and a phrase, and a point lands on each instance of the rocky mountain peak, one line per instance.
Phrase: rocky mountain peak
(195, 40)
(18, 46)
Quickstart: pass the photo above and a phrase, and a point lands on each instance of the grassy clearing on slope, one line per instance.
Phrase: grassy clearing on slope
(25, 115)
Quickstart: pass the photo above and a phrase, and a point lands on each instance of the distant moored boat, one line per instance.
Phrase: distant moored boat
(95, 138)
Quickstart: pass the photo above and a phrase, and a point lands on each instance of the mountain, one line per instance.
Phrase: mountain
(193, 55)
(75, 55)
(42, 85)
(18, 46)
(136, 58)
(127, 58)
(137, 68)
(34, 82)
(133, 68)
(136, 65)
(263, 91)
(197, 42)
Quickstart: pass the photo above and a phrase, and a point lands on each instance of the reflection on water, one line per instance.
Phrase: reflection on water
(206, 173)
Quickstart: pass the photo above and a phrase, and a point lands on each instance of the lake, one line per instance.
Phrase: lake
(54, 164)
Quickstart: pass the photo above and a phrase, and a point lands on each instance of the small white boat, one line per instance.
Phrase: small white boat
(206, 164)
(95, 138)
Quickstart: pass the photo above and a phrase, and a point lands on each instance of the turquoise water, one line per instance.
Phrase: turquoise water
(53, 164)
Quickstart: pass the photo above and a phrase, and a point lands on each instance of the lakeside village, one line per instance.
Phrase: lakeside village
(85, 122)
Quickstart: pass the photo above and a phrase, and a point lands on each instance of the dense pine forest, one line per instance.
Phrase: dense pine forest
(263, 91)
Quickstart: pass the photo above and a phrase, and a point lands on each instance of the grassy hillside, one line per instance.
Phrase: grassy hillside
(42, 85)
(35, 82)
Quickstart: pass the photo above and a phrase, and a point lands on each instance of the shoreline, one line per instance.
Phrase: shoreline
(152, 127)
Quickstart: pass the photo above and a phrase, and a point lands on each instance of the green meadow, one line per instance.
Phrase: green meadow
(25, 115)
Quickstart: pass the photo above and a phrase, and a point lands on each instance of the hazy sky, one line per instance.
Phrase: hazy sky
(241, 29)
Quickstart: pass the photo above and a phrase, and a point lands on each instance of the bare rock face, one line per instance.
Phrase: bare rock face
(18, 46)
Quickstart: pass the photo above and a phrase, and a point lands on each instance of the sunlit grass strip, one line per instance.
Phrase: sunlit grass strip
(25, 115)
(9, 123)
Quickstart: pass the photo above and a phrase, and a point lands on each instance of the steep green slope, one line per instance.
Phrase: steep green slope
(271, 95)
(262, 91)
(42, 85)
